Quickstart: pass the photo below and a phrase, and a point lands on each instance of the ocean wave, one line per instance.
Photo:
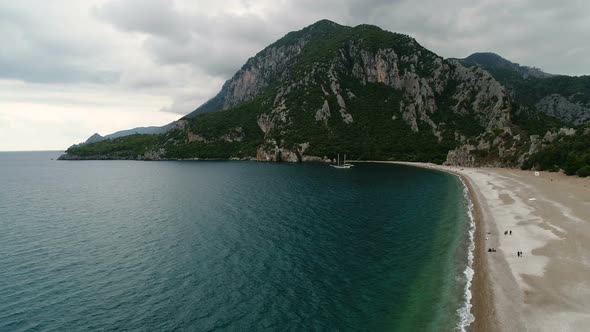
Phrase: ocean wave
(464, 312)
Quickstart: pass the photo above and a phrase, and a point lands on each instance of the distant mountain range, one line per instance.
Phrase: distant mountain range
(139, 130)
(493, 62)
(372, 94)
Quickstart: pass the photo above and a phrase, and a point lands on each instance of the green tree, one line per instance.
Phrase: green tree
(584, 171)
(572, 164)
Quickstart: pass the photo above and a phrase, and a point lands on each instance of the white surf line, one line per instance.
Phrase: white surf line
(465, 315)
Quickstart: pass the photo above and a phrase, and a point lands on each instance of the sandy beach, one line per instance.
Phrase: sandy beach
(548, 288)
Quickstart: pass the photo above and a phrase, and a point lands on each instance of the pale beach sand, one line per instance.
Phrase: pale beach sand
(548, 289)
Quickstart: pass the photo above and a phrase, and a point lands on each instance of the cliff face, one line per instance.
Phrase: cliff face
(427, 89)
(566, 109)
(261, 70)
(536, 93)
(363, 91)
(546, 111)
(322, 90)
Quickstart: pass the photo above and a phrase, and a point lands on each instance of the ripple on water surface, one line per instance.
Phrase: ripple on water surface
(228, 245)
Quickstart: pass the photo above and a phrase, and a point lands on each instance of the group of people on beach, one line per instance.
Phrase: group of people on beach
(518, 253)
(506, 232)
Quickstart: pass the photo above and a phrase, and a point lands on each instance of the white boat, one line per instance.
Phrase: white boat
(343, 165)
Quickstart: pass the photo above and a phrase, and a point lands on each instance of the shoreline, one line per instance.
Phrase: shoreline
(481, 296)
(546, 216)
(481, 300)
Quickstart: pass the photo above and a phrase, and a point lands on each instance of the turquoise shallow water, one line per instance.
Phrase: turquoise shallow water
(124, 245)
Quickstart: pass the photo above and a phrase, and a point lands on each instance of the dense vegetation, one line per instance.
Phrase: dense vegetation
(123, 147)
(570, 153)
(527, 90)
(378, 131)
(213, 126)
(374, 134)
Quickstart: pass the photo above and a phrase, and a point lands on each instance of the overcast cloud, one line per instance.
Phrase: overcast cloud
(70, 68)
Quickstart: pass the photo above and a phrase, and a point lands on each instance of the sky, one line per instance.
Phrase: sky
(70, 68)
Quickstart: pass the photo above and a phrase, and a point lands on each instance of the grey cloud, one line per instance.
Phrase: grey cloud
(181, 105)
(165, 46)
(39, 70)
(38, 48)
(158, 17)
(217, 45)
(220, 58)
(179, 52)
(35, 51)
(532, 32)
(188, 101)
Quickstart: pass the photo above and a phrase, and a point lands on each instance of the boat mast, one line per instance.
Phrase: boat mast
(344, 159)
(338, 163)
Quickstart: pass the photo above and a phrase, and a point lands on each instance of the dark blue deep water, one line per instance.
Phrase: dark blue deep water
(246, 246)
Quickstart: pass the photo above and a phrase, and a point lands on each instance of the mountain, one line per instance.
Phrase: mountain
(537, 94)
(494, 62)
(94, 138)
(363, 91)
(139, 130)
(554, 110)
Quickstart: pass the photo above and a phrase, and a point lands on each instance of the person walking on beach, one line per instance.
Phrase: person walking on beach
(510, 232)
(505, 232)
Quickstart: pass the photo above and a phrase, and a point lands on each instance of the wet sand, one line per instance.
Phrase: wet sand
(548, 289)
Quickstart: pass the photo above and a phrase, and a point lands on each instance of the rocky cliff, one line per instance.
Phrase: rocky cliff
(363, 91)
(566, 109)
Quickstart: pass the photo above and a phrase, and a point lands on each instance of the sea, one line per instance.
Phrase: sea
(231, 246)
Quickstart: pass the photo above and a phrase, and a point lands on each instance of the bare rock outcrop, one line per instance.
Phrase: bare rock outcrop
(481, 94)
(564, 109)
(234, 135)
(157, 154)
(259, 71)
(461, 156)
(323, 113)
(478, 92)
(194, 137)
(265, 123)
